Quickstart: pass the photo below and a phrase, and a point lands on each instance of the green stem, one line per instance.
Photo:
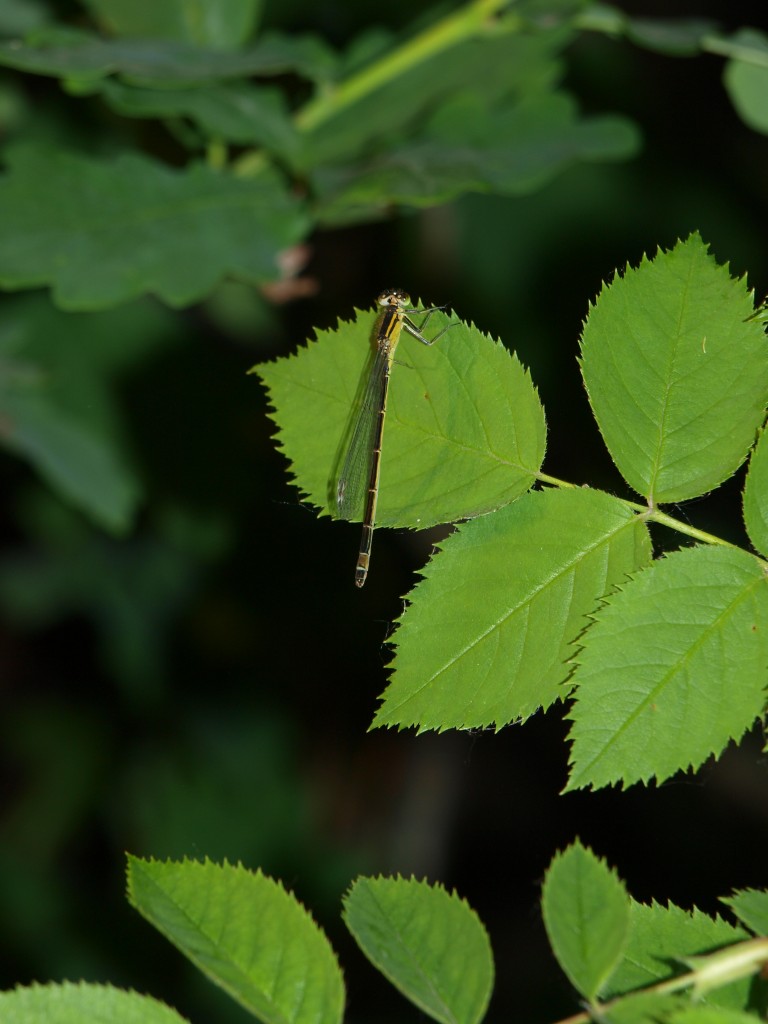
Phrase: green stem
(470, 20)
(650, 514)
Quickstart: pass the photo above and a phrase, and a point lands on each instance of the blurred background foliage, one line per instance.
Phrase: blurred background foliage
(187, 669)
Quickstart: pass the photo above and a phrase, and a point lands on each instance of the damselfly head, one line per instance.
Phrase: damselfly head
(394, 297)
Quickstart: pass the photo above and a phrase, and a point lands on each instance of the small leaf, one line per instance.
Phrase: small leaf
(464, 429)
(511, 149)
(102, 233)
(246, 933)
(751, 908)
(234, 111)
(658, 685)
(429, 943)
(756, 495)
(586, 914)
(488, 634)
(73, 1004)
(678, 382)
(223, 24)
(661, 938)
(746, 78)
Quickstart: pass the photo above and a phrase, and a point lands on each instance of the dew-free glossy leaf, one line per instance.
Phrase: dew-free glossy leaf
(751, 907)
(677, 381)
(246, 933)
(712, 1015)
(429, 943)
(488, 633)
(464, 430)
(661, 938)
(73, 1004)
(674, 666)
(586, 913)
(100, 233)
(756, 495)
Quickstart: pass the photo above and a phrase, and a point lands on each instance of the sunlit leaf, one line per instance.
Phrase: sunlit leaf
(756, 495)
(659, 687)
(247, 933)
(678, 382)
(429, 943)
(488, 633)
(73, 1004)
(587, 915)
(464, 429)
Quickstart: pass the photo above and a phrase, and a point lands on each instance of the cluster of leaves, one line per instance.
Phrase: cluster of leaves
(671, 655)
(256, 166)
(255, 940)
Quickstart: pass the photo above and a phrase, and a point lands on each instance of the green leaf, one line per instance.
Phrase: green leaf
(489, 631)
(756, 495)
(80, 464)
(429, 943)
(643, 1008)
(246, 933)
(677, 381)
(75, 54)
(221, 23)
(234, 111)
(712, 1015)
(74, 1004)
(751, 907)
(746, 79)
(464, 428)
(57, 402)
(469, 146)
(586, 914)
(673, 667)
(101, 233)
(675, 37)
(661, 938)
(377, 120)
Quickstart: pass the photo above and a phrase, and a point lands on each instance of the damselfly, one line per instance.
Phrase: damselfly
(362, 464)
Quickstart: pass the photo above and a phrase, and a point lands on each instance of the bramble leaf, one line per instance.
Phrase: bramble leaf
(677, 381)
(658, 685)
(101, 233)
(429, 943)
(464, 429)
(246, 933)
(488, 633)
(751, 907)
(587, 914)
(756, 495)
(660, 940)
(467, 147)
(72, 1004)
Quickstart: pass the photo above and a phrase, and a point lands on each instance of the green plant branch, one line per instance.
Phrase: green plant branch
(651, 514)
(471, 20)
(474, 18)
(721, 968)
